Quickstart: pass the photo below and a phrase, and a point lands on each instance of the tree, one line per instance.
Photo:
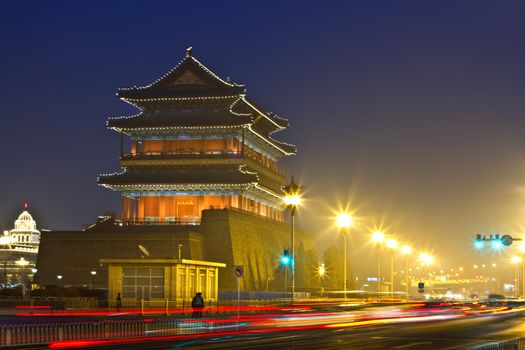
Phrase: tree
(333, 260)
(306, 269)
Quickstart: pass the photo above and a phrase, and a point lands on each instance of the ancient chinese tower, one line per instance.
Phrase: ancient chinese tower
(197, 143)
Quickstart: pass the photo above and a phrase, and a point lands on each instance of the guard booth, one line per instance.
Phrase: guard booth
(158, 280)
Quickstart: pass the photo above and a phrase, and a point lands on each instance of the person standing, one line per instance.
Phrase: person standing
(118, 305)
(197, 304)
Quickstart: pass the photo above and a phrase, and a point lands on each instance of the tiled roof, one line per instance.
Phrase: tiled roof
(150, 121)
(179, 175)
(189, 78)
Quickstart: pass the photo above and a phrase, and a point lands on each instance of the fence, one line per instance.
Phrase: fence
(54, 302)
(43, 333)
(212, 308)
(515, 344)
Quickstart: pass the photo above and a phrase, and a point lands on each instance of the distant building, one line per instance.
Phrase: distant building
(19, 249)
(200, 176)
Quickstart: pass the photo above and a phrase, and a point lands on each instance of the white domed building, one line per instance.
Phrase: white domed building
(18, 250)
(25, 233)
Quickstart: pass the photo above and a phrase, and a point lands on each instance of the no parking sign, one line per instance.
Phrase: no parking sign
(238, 271)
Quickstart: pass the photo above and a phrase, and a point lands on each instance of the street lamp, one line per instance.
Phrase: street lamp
(321, 270)
(344, 220)
(93, 274)
(292, 199)
(427, 260)
(22, 263)
(406, 250)
(378, 237)
(516, 260)
(392, 245)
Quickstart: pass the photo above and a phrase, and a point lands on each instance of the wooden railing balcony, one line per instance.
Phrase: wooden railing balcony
(195, 154)
(168, 222)
(183, 154)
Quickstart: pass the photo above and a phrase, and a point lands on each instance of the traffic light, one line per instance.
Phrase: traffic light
(496, 244)
(478, 244)
(285, 258)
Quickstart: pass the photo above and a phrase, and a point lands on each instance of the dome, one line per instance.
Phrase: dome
(25, 223)
(25, 216)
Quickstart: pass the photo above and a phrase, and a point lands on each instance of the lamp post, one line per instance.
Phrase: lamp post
(344, 220)
(426, 260)
(406, 250)
(516, 260)
(22, 263)
(285, 261)
(392, 245)
(93, 274)
(59, 277)
(378, 237)
(292, 199)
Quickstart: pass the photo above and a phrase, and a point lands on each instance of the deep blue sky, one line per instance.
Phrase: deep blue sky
(414, 109)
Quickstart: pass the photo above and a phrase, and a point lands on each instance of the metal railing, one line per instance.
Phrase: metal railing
(182, 154)
(515, 344)
(170, 222)
(79, 303)
(44, 333)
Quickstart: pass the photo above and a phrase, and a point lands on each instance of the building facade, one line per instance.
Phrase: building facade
(197, 143)
(19, 249)
(200, 175)
(157, 280)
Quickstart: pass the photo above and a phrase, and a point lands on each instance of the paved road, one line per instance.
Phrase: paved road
(443, 335)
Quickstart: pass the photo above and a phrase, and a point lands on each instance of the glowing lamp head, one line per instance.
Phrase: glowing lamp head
(93, 273)
(426, 258)
(59, 277)
(406, 250)
(378, 237)
(321, 270)
(391, 244)
(344, 220)
(292, 199)
(516, 259)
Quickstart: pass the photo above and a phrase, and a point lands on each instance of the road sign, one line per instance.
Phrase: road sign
(421, 287)
(506, 240)
(238, 271)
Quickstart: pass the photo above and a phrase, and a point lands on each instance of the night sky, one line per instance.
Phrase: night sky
(411, 112)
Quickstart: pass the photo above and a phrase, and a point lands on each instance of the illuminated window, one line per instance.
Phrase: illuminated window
(181, 283)
(143, 283)
(212, 284)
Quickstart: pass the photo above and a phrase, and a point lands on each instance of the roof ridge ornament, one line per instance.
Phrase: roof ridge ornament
(189, 52)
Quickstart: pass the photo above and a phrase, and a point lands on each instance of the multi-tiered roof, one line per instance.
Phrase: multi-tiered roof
(189, 81)
(191, 99)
